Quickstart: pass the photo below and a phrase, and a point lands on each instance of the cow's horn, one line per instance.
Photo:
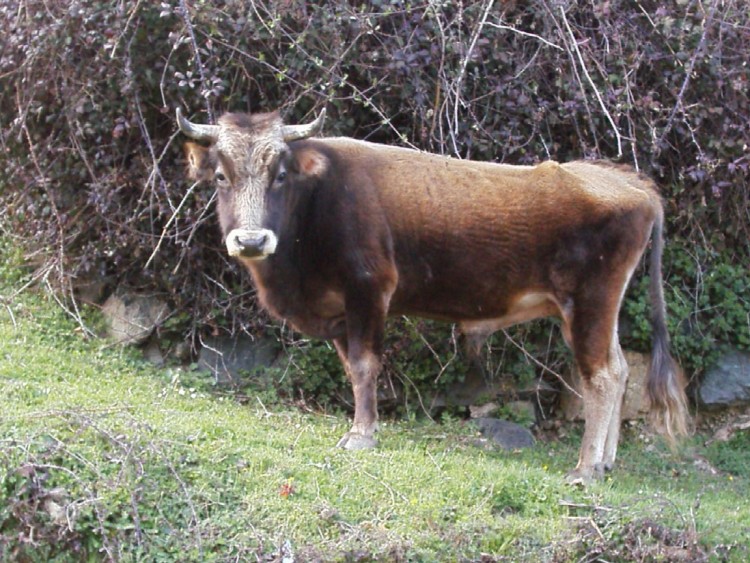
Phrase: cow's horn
(195, 131)
(296, 132)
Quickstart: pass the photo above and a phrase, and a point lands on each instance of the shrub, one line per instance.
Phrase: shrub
(708, 307)
(93, 183)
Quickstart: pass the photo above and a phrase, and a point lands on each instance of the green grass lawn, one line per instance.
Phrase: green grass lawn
(104, 457)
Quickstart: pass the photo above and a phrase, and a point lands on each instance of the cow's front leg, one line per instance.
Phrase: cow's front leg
(362, 368)
(360, 353)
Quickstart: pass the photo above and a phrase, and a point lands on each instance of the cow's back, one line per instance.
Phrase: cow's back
(421, 190)
(467, 232)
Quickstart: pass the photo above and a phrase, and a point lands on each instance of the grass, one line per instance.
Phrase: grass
(105, 457)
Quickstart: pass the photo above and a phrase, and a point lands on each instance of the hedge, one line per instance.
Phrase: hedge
(94, 183)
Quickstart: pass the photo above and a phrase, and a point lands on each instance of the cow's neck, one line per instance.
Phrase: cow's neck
(282, 293)
(278, 282)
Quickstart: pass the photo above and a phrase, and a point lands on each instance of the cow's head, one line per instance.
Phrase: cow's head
(247, 158)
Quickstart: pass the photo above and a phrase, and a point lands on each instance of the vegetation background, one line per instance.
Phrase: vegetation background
(93, 190)
(93, 181)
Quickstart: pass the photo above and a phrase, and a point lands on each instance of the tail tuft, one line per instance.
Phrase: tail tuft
(666, 392)
(666, 382)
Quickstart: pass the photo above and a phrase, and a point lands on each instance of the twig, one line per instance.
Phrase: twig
(44, 182)
(196, 54)
(698, 51)
(525, 33)
(265, 410)
(419, 395)
(10, 312)
(169, 223)
(125, 29)
(390, 489)
(439, 83)
(592, 507)
(197, 224)
(155, 170)
(540, 364)
(462, 72)
(443, 366)
(591, 82)
(385, 120)
(257, 60)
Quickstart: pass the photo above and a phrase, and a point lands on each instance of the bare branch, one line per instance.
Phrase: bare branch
(591, 83)
(688, 73)
(525, 33)
(196, 53)
(462, 72)
(526, 353)
(169, 223)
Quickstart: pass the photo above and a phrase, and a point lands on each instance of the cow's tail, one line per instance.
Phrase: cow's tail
(666, 383)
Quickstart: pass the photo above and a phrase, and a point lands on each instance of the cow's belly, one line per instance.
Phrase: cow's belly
(319, 327)
(526, 307)
(482, 313)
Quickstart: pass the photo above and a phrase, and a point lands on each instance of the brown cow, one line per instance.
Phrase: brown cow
(338, 234)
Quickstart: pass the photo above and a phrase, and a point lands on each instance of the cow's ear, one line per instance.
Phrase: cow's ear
(311, 163)
(198, 158)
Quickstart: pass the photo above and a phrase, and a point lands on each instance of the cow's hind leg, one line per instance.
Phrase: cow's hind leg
(598, 362)
(619, 369)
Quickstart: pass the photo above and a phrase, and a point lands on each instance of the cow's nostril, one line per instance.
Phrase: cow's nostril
(251, 242)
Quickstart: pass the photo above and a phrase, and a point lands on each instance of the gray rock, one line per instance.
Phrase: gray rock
(131, 318)
(506, 434)
(230, 358)
(181, 351)
(152, 352)
(728, 382)
(522, 411)
(92, 291)
(483, 411)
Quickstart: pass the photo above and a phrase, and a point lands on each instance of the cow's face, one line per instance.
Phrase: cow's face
(248, 161)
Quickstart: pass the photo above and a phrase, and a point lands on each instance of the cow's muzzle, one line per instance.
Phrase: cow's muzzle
(253, 244)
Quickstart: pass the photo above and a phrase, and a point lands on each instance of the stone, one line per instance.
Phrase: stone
(728, 382)
(483, 411)
(522, 411)
(131, 318)
(92, 291)
(508, 435)
(181, 351)
(231, 358)
(635, 405)
(474, 389)
(152, 352)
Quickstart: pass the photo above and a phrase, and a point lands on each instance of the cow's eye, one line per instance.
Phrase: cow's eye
(220, 178)
(281, 177)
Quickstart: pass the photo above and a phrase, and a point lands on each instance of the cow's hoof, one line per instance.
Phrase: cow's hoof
(357, 441)
(582, 477)
(604, 467)
(578, 478)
